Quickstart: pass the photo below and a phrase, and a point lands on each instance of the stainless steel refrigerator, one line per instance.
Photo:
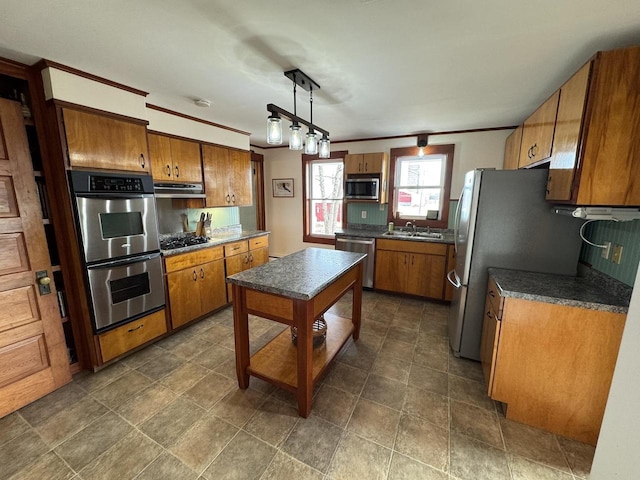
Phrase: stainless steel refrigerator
(502, 220)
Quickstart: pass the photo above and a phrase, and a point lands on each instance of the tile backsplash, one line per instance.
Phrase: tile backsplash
(376, 216)
(170, 219)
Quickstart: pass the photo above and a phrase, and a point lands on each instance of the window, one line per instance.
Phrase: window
(323, 197)
(420, 185)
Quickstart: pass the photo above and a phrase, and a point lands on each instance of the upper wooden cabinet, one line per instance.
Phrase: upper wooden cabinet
(595, 160)
(365, 163)
(174, 160)
(512, 149)
(98, 141)
(227, 176)
(537, 133)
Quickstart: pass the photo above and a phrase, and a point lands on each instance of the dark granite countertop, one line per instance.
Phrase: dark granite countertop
(301, 275)
(447, 235)
(217, 238)
(559, 289)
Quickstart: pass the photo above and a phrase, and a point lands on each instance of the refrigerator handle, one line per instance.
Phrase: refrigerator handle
(456, 283)
(456, 222)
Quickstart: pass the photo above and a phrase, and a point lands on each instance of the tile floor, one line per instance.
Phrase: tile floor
(395, 405)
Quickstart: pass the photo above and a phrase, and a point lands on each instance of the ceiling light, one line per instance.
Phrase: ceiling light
(423, 140)
(324, 147)
(201, 102)
(274, 123)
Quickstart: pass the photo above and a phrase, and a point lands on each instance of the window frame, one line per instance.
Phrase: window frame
(448, 151)
(307, 236)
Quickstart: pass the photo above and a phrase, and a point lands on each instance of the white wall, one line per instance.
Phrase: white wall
(619, 442)
(284, 215)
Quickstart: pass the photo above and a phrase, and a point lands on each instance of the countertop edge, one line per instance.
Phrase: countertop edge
(214, 242)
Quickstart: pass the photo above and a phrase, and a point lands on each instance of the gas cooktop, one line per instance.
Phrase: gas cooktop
(171, 243)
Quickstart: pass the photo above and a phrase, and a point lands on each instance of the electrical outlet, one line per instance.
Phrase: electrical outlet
(382, 207)
(364, 214)
(606, 250)
(617, 254)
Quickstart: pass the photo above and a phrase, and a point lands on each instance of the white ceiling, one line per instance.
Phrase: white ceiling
(386, 67)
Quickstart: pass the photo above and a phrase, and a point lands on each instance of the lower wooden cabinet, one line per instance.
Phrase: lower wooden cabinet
(196, 284)
(243, 255)
(127, 337)
(414, 268)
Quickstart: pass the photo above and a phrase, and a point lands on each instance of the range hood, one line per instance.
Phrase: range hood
(178, 190)
(599, 213)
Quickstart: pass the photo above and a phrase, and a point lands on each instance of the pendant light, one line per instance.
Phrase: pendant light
(274, 129)
(311, 145)
(324, 147)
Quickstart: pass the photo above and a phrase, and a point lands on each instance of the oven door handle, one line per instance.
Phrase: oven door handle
(124, 261)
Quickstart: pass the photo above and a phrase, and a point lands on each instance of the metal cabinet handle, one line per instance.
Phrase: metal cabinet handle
(137, 328)
(251, 258)
(533, 149)
(365, 166)
(201, 273)
(233, 198)
(177, 171)
(142, 161)
(228, 198)
(405, 259)
(168, 170)
(489, 313)
(413, 257)
(246, 259)
(195, 276)
(492, 294)
(457, 283)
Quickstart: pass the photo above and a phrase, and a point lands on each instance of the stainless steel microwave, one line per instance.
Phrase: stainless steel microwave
(362, 188)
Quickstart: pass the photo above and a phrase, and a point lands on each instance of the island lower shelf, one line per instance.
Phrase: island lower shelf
(277, 361)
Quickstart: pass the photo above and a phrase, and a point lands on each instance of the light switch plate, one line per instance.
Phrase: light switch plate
(617, 254)
(606, 250)
(364, 214)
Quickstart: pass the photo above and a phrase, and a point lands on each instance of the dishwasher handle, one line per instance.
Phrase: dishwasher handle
(348, 240)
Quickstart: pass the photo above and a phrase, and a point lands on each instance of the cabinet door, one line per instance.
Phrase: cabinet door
(373, 162)
(98, 141)
(537, 136)
(489, 344)
(187, 165)
(216, 167)
(353, 163)
(184, 296)
(391, 270)
(573, 96)
(33, 354)
(259, 256)
(426, 275)
(160, 157)
(211, 283)
(512, 149)
(241, 192)
(233, 265)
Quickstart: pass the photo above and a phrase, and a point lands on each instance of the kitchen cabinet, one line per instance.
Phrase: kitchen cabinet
(512, 149)
(196, 284)
(551, 364)
(227, 176)
(243, 255)
(174, 160)
(414, 268)
(104, 142)
(123, 339)
(365, 163)
(595, 159)
(537, 132)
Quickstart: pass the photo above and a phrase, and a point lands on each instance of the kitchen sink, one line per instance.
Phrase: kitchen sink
(399, 233)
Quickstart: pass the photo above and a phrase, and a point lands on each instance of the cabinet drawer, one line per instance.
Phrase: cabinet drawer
(191, 259)
(493, 296)
(258, 242)
(127, 337)
(235, 248)
(412, 247)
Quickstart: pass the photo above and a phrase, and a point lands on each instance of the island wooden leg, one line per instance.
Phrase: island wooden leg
(356, 305)
(304, 319)
(241, 336)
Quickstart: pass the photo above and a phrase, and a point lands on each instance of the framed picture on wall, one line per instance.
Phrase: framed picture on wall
(283, 187)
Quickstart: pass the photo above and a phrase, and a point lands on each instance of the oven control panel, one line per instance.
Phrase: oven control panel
(115, 184)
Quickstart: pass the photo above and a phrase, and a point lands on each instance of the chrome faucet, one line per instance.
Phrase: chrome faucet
(412, 225)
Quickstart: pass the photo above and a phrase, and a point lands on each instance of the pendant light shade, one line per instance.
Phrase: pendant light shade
(274, 129)
(295, 137)
(311, 145)
(324, 147)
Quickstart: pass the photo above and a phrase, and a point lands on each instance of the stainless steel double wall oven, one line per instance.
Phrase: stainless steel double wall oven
(116, 218)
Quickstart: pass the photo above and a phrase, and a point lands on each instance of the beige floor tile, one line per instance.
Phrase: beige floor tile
(402, 334)
(405, 468)
(392, 368)
(408, 321)
(272, 422)
(466, 368)
(191, 348)
(477, 423)
(433, 327)
(213, 356)
(166, 426)
(184, 377)
(432, 358)
(357, 457)
(48, 467)
(474, 460)
(69, 421)
(18, 453)
(427, 405)
(208, 391)
(216, 334)
(146, 403)
(375, 422)
(160, 366)
(244, 458)
(143, 356)
(346, 378)
(122, 389)
(579, 455)
(359, 355)
(167, 467)
(470, 391)
(429, 379)
(41, 410)
(397, 349)
(423, 441)
(177, 338)
(385, 391)
(12, 426)
(333, 405)
(238, 406)
(371, 326)
(95, 439)
(313, 441)
(283, 467)
(428, 341)
(199, 445)
(524, 469)
(125, 459)
(533, 444)
(91, 382)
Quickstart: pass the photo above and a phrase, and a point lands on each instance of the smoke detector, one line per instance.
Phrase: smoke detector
(201, 102)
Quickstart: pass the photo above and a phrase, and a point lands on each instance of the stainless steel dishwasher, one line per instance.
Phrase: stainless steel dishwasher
(360, 245)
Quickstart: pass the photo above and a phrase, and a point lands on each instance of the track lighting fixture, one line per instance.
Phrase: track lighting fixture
(312, 145)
